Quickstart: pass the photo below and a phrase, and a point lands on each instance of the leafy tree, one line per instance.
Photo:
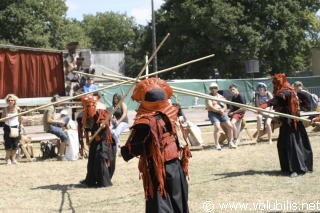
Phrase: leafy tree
(74, 31)
(134, 52)
(109, 31)
(32, 22)
(277, 33)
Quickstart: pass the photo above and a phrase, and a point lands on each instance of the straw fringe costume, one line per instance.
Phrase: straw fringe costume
(102, 151)
(294, 148)
(163, 162)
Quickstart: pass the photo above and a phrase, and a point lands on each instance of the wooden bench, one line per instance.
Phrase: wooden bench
(35, 134)
(276, 123)
(241, 127)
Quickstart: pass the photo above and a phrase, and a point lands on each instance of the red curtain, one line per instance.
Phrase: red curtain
(31, 74)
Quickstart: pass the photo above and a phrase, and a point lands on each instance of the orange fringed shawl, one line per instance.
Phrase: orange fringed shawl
(161, 148)
(280, 84)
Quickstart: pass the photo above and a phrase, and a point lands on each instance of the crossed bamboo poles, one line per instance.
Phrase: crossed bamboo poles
(125, 80)
(87, 93)
(116, 78)
(205, 96)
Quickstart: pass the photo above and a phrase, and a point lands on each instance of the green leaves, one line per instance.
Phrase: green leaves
(109, 31)
(32, 22)
(277, 33)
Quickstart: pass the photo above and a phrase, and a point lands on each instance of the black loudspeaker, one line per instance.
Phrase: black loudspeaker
(216, 73)
(252, 66)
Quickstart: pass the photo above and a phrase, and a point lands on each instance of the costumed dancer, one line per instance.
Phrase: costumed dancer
(157, 137)
(102, 151)
(294, 148)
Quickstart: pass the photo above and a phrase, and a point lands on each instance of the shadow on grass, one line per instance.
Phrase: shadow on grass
(64, 193)
(275, 173)
(251, 172)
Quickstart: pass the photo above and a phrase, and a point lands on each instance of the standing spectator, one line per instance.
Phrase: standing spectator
(294, 148)
(216, 114)
(119, 121)
(263, 96)
(11, 144)
(55, 127)
(236, 113)
(102, 150)
(90, 86)
(163, 156)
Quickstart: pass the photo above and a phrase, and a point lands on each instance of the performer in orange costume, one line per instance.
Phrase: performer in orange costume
(102, 151)
(163, 162)
(294, 148)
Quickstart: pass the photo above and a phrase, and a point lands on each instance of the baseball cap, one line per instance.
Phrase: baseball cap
(261, 84)
(213, 84)
(298, 83)
(64, 112)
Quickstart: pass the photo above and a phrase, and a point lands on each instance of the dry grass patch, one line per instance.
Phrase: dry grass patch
(245, 175)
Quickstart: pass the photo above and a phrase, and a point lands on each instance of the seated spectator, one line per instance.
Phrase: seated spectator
(64, 117)
(90, 86)
(55, 126)
(72, 148)
(119, 121)
(216, 114)
(261, 97)
(236, 113)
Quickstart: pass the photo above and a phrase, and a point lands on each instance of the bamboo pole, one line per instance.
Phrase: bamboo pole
(252, 108)
(63, 100)
(126, 94)
(117, 77)
(111, 77)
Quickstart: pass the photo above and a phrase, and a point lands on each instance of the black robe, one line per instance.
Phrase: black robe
(294, 148)
(176, 184)
(98, 172)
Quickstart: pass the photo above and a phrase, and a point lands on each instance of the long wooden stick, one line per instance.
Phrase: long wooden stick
(111, 77)
(63, 100)
(119, 77)
(126, 94)
(252, 108)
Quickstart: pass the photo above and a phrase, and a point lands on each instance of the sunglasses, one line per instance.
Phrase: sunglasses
(213, 87)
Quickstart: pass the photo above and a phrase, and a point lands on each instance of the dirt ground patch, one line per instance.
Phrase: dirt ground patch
(248, 175)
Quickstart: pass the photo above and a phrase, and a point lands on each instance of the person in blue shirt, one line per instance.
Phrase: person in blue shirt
(90, 86)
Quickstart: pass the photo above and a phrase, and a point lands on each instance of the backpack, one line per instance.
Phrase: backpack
(308, 101)
(48, 149)
(314, 102)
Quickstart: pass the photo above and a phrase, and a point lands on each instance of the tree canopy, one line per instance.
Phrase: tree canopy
(32, 22)
(277, 33)
(109, 31)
